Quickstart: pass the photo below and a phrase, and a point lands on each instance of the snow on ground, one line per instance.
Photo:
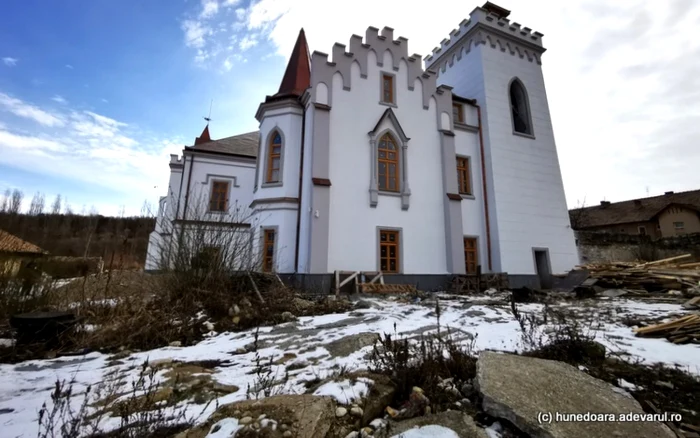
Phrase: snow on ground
(345, 392)
(431, 431)
(25, 386)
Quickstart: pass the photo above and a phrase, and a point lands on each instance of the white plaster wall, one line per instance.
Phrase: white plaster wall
(473, 220)
(205, 171)
(289, 124)
(530, 206)
(353, 223)
(282, 216)
(467, 79)
(306, 187)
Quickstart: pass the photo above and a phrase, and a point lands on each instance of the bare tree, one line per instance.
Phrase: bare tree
(16, 201)
(36, 207)
(122, 211)
(5, 204)
(56, 206)
(67, 209)
(579, 215)
(202, 243)
(147, 209)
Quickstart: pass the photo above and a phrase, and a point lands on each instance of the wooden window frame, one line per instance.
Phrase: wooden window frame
(392, 97)
(387, 162)
(268, 261)
(271, 155)
(468, 251)
(464, 177)
(397, 252)
(214, 202)
(459, 117)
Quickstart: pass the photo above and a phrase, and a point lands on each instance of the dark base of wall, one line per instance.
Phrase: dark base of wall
(524, 280)
(323, 284)
(320, 284)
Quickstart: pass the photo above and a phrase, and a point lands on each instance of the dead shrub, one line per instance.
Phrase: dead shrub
(146, 410)
(424, 363)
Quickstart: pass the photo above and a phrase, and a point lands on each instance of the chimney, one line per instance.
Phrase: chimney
(604, 203)
(637, 203)
(668, 193)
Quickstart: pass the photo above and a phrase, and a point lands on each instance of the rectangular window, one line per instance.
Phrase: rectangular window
(219, 196)
(679, 225)
(642, 231)
(463, 178)
(207, 258)
(388, 89)
(457, 113)
(389, 251)
(268, 250)
(470, 255)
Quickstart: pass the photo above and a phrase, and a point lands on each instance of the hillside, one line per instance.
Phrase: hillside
(123, 239)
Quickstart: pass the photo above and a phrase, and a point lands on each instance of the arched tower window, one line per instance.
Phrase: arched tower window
(520, 108)
(274, 158)
(388, 164)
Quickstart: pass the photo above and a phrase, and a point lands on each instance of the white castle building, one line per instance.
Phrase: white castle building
(367, 161)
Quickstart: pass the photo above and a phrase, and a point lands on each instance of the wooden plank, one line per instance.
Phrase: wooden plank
(663, 261)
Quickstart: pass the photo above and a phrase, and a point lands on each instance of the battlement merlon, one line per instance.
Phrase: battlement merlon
(486, 19)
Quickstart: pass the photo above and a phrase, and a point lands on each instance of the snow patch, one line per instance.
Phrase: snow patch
(344, 391)
(431, 431)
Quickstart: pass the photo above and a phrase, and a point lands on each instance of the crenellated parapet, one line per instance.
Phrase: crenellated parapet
(176, 161)
(323, 69)
(491, 29)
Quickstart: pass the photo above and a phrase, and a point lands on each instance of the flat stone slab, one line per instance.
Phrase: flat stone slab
(519, 389)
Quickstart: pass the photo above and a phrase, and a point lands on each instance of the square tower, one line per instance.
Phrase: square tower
(497, 62)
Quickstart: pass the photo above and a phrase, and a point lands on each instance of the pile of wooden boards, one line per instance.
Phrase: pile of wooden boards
(680, 331)
(387, 288)
(658, 276)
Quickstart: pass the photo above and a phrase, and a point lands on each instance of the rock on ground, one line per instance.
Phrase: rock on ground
(460, 423)
(518, 388)
(311, 416)
(350, 344)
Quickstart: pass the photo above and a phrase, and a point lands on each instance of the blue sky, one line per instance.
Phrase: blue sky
(95, 94)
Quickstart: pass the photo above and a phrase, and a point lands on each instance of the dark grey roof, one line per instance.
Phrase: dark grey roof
(635, 210)
(242, 144)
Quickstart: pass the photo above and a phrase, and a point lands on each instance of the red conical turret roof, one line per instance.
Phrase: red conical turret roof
(297, 77)
(204, 136)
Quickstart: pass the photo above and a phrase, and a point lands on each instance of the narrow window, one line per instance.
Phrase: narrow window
(642, 231)
(463, 178)
(388, 177)
(268, 250)
(679, 225)
(457, 113)
(389, 251)
(274, 158)
(207, 258)
(520, 109)
(387, 89)
(470, 255)
(219, 196)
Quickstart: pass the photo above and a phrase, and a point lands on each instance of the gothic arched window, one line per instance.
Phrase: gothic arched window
(274, 158)
(388, 165)
(520, 108)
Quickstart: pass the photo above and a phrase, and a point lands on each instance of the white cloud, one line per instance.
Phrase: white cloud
(209, 8)
(240, 14)
(28, 111)
(10, 62)
(59, 99)
(231, 2)
(93, 149)
(228, 64)
(69, 66)
(247, 42)
(104, 100)
(195, 33)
